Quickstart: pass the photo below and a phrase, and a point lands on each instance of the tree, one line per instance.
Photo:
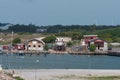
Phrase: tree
(92, 47)
(49, 39)
(69, 44)
(16, 40)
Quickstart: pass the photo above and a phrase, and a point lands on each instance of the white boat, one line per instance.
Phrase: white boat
(1, 68)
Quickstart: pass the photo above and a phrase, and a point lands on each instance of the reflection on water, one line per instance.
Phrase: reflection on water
(53, 61)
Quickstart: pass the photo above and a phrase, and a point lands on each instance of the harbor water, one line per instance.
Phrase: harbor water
(55, 61)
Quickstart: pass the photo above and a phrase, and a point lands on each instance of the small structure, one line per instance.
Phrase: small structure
(59, 45)
(20, 46)
(99, 43)
(6, 47)
(65, 39)
(35, 44)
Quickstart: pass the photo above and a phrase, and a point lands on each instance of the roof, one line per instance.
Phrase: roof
(65, 39)
(59, 43)
(39, 40)
(99, 40)
(89, 35)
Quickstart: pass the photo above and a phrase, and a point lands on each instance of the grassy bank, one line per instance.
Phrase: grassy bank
(16, 78)
(73, 77)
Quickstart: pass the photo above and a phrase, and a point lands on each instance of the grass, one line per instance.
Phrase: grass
(18, 78)
(24, 38)
(89, 78)
(105, 78)
(11, 75)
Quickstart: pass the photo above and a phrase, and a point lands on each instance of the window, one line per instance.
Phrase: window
(29, 45)
(39, 46)
(91, 38)
(34, 45)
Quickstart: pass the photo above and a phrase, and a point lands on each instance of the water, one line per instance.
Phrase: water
(53, 61)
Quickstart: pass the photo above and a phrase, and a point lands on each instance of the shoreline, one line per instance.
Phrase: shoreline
(55, 74)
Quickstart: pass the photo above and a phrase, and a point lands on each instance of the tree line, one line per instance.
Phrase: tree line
(110, 33)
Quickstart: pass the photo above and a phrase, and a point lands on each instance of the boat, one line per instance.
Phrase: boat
(1, 68)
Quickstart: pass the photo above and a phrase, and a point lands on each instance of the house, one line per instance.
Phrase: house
(35, 44)
(60, 44)
(87, 38)
(99, 43)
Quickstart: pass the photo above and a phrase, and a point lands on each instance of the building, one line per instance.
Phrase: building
(65, 39)
(87, 38)
(6, 47)
(35, 44)
(99, 43)
(60, 44)
(20, 46)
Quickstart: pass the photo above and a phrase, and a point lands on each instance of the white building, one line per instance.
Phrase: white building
(36, 45)
(99, 43)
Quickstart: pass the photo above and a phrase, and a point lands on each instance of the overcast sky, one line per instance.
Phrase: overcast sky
(66, 12)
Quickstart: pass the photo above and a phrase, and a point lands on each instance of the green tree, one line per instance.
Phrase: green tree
(16, 40)
(109, 40)
(92, 47)
(69, 44)
(49, 39)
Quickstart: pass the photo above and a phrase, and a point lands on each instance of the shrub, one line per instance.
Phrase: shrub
(92, 47)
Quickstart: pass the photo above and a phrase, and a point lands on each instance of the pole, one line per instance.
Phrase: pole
(89, 66)
(11, 40)
(35, 74)
(1, 49)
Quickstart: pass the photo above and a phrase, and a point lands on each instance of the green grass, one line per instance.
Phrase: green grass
(18, 78)
(90, 77)
(105, 78)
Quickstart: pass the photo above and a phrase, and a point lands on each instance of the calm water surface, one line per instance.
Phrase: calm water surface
(53, 61)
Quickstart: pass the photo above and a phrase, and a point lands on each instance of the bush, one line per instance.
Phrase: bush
(49, 39)
(46, 47)
(92, 47)
(69, 44)
(16, 40)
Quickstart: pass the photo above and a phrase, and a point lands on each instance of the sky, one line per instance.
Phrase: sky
(65, 12)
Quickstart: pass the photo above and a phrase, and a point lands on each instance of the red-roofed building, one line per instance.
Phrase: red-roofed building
(93, 39)
(99, 43)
